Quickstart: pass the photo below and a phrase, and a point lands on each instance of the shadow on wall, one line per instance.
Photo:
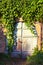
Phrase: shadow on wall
(15, 37)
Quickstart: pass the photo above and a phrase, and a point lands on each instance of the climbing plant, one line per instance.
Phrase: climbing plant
(29, 10)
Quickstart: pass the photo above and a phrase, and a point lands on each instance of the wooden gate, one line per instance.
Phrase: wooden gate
(25, 40)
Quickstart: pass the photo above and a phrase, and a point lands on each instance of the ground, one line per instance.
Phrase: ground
(14, 62)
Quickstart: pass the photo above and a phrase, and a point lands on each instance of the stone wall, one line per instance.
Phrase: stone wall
(2, 41)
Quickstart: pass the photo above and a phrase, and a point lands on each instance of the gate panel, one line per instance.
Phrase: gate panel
(25, 41)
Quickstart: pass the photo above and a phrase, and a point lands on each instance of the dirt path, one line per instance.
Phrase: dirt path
(15, 62)
(20, 62)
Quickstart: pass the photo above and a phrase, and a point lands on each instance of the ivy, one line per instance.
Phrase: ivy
(29, 10)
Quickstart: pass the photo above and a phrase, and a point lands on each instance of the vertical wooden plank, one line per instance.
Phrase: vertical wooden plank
(39, 32)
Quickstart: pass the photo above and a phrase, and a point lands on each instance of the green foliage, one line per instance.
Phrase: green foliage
(29, 10)
(2, 63)
(36, 59)
(4, 56)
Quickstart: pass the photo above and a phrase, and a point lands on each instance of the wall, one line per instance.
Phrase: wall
(2, 40)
